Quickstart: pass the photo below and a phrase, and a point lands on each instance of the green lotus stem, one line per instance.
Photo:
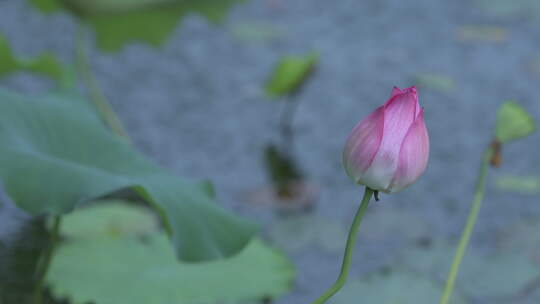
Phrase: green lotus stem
(45, 261)
(469, 227)
(102, 105)
(347, 258)
(286, 124)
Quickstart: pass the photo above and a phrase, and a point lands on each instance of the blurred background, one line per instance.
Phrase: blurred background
(197, 104)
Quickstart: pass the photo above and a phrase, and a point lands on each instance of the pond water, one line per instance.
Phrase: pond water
(196, 106)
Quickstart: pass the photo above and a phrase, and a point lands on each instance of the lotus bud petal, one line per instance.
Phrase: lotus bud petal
(389, 150)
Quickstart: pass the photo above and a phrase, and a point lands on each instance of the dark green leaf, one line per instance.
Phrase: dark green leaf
(144, 269)
(289, 74)
(281, 169)
(46, 6)
(45, 64)
(118, 22)
(56, 155)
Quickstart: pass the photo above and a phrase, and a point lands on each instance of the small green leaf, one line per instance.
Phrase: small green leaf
(56, 155)
(125, 268)
(119, 22)
(289, 74)
(437, 82)
(521, 184)
(484, 33)
(45, 64)
(513, 122)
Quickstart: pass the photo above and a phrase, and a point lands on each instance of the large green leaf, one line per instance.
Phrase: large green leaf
(55, 155)
(134, 265)
(484, 276)
(118, 22)
(289, 74)
(502, 275)
(524, 237)
(45, 64)
(297, 233)
(419, 274)
(395, 287)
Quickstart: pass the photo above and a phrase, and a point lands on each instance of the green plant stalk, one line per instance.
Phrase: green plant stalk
(347, 258)
(45, 261)
(102, 105)
(469, 227)
(286, 124)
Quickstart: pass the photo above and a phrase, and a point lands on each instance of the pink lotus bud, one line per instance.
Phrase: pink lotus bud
(389, 149)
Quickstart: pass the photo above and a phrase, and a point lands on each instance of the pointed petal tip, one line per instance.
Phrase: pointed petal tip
(395, 91)
(411, 89)
(408, 94)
